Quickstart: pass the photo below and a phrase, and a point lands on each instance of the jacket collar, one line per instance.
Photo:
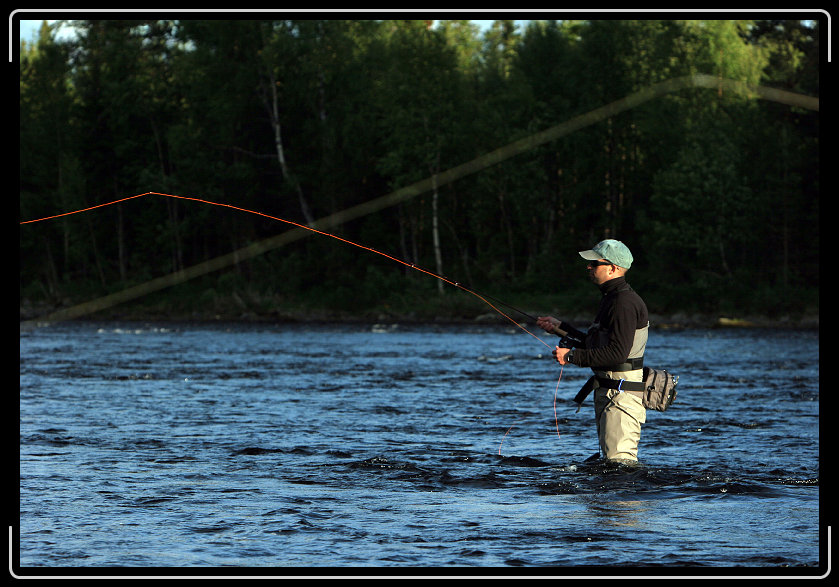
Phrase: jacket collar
(613, 285)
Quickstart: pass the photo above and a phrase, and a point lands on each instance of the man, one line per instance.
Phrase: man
(613, 347)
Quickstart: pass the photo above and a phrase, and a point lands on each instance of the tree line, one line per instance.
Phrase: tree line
(715, 192)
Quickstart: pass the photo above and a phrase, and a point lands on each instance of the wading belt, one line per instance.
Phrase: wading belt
(620, 384)
(605, 382)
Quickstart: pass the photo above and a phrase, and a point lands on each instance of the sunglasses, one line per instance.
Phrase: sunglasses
(598, 263)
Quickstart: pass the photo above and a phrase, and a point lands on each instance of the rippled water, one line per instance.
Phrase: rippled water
(356, 446)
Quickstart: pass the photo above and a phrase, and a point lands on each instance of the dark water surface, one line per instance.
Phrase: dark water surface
(262, 446)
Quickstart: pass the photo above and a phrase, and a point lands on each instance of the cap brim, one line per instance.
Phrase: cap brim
(590, 255)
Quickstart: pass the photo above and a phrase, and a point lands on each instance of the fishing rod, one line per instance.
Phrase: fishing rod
(505, 304)
(567, 340)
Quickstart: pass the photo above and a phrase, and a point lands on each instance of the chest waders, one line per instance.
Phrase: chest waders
(634, 362)
(656, 389)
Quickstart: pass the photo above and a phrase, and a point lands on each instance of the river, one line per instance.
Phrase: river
(347, 449)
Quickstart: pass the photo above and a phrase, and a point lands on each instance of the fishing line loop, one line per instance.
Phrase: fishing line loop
(347, 241)
(315, 230)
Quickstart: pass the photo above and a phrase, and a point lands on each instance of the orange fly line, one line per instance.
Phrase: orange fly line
(347, 241)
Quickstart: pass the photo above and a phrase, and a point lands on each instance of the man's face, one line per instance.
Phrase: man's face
(601, 271)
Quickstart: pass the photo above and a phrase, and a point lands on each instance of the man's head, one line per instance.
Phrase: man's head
(607, 259)
(611, 250)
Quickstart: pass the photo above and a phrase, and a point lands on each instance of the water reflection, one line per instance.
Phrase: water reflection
(617, 512)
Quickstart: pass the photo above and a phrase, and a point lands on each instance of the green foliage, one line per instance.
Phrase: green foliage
(716, 193)
(703, 204)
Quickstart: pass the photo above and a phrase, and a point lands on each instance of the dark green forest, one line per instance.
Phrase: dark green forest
(715, 190)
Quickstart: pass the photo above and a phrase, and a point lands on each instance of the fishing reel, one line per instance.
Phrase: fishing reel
(567, 340)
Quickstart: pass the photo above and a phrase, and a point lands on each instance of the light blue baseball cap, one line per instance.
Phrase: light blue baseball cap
(611, 250)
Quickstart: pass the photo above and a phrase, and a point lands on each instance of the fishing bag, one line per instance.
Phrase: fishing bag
(659, 389)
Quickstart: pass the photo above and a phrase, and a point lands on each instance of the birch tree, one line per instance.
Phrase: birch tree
(419, 107)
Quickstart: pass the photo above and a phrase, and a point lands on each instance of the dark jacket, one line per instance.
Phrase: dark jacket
(609, 339)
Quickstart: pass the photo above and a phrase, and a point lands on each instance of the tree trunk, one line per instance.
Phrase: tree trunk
(96, 257)
(435, 233)
(123, 271)
(274, 113)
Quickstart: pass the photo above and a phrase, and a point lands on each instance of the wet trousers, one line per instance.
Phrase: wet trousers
(619, 415)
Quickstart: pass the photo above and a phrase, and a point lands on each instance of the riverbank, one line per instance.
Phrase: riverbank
(238, 310)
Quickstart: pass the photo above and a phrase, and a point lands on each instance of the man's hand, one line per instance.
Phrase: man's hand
(559, 353)
(548, 324)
